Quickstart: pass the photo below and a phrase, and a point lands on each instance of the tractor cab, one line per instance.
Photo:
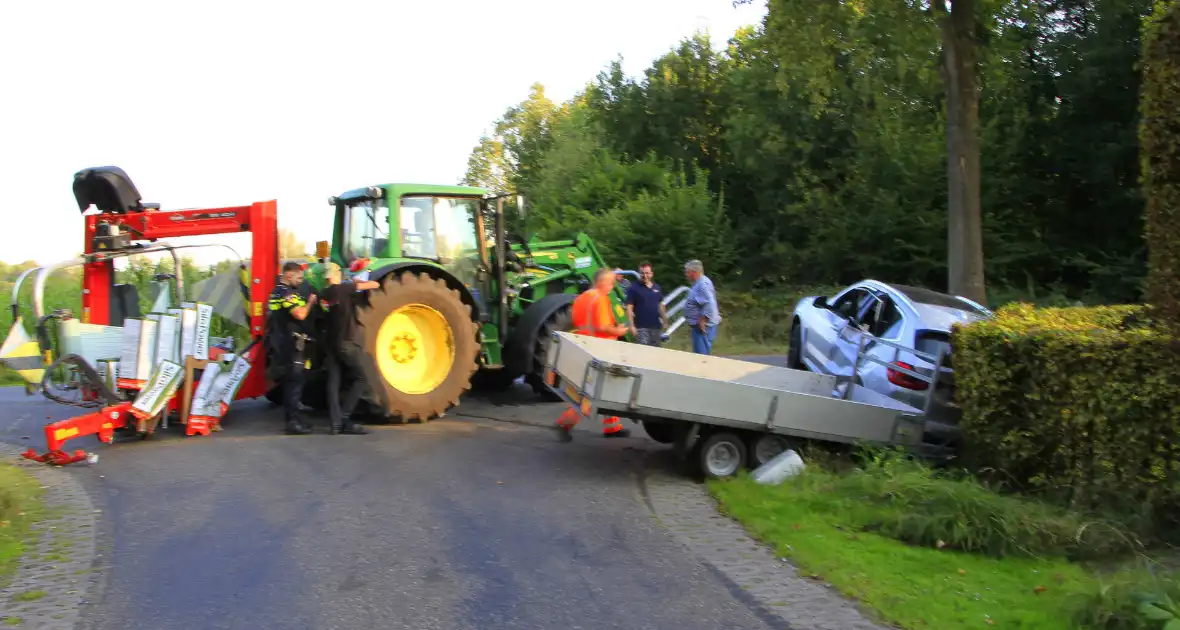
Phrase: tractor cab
(380, 225)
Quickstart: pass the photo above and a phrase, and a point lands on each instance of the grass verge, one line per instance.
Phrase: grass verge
(20, 506)
(970, 558)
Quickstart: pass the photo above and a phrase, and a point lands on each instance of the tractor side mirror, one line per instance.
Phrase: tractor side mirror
(821, 302)
(322, 249)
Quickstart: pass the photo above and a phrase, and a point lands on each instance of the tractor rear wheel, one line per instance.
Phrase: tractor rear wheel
(561, 320)
(421, 343)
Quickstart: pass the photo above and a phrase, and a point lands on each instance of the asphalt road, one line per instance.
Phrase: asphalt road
(478, 520)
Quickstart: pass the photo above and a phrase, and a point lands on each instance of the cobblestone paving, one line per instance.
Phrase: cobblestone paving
(687, 509)
(54, 577)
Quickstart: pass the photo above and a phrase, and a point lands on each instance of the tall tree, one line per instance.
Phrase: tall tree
(957, 20)
(1161, 159)
(853, 138)
(960, 74)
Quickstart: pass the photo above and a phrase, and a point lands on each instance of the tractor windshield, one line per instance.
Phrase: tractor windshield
(367, 223)
(442, 229)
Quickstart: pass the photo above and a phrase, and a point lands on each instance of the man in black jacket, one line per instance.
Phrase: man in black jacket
(343, 350)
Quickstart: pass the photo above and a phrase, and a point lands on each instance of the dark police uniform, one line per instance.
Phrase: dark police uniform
(344, 356)
(290, 343)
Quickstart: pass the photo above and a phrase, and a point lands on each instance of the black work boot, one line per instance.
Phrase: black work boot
(347, 427)
(295, 427)
(621, 433)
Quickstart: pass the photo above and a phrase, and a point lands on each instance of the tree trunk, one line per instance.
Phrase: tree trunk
(964, 220)
(1159, 137)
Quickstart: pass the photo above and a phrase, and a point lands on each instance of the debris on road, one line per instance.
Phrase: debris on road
(784, 466)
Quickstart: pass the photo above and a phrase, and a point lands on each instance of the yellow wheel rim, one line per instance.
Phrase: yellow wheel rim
(415, 349)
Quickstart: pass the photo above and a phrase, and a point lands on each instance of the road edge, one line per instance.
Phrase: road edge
(53, 579)
(690, 514)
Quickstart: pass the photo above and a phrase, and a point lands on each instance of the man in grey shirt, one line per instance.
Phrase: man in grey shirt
(700, 308)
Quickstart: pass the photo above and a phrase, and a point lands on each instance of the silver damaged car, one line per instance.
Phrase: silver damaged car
(903, 328)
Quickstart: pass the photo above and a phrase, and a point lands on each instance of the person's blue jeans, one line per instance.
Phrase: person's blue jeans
(702, 342)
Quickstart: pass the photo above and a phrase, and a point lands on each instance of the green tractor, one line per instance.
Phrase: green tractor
(462, 302)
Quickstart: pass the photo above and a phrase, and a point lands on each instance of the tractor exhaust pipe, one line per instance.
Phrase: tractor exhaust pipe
(501, 276)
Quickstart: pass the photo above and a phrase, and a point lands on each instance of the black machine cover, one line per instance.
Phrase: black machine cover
(108, 188)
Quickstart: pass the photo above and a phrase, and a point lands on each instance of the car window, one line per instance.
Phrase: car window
(847, 305)
(885, 320)
(892, 330)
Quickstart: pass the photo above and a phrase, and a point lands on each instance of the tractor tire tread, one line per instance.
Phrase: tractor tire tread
(411, 288)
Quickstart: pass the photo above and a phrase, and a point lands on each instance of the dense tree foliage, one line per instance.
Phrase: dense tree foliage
(813, 149)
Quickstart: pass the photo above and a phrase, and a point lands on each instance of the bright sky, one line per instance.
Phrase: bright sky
(217, 103)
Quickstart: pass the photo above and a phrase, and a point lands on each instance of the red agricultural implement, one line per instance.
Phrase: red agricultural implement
(124, 226)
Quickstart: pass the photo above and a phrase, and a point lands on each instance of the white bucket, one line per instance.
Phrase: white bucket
(785, 465)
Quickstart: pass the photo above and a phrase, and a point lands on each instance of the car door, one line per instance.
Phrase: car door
(822, 346)
(848, 338)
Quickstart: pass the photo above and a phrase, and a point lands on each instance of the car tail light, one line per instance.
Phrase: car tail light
(901, 379)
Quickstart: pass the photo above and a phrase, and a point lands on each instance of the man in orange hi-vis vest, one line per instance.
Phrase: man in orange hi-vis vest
(592, 316)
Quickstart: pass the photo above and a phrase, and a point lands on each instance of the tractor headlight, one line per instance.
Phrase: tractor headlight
(374, 192)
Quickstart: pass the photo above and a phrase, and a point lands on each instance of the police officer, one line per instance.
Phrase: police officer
(289, 310)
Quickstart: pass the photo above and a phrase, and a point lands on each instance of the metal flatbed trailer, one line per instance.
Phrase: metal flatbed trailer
(724, 414)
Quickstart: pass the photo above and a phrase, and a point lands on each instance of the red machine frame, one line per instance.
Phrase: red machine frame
(259, 218)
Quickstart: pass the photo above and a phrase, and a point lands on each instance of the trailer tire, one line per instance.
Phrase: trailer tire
(765, 447)
(721, 455)
(661, 432)
(421, 345)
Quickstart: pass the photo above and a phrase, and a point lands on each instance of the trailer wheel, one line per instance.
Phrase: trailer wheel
(661, 432)
(422, 345)
(721, 455)
(765, 447)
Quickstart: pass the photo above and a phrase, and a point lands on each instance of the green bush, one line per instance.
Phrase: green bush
(1140, 597)
(1080, 405)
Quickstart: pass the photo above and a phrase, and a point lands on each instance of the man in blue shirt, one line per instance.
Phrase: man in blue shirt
(700, 308)
(646, 315)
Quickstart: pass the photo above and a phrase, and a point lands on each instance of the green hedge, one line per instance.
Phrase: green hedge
(1081, 405)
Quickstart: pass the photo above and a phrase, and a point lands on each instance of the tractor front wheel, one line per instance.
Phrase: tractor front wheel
(422, 346)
